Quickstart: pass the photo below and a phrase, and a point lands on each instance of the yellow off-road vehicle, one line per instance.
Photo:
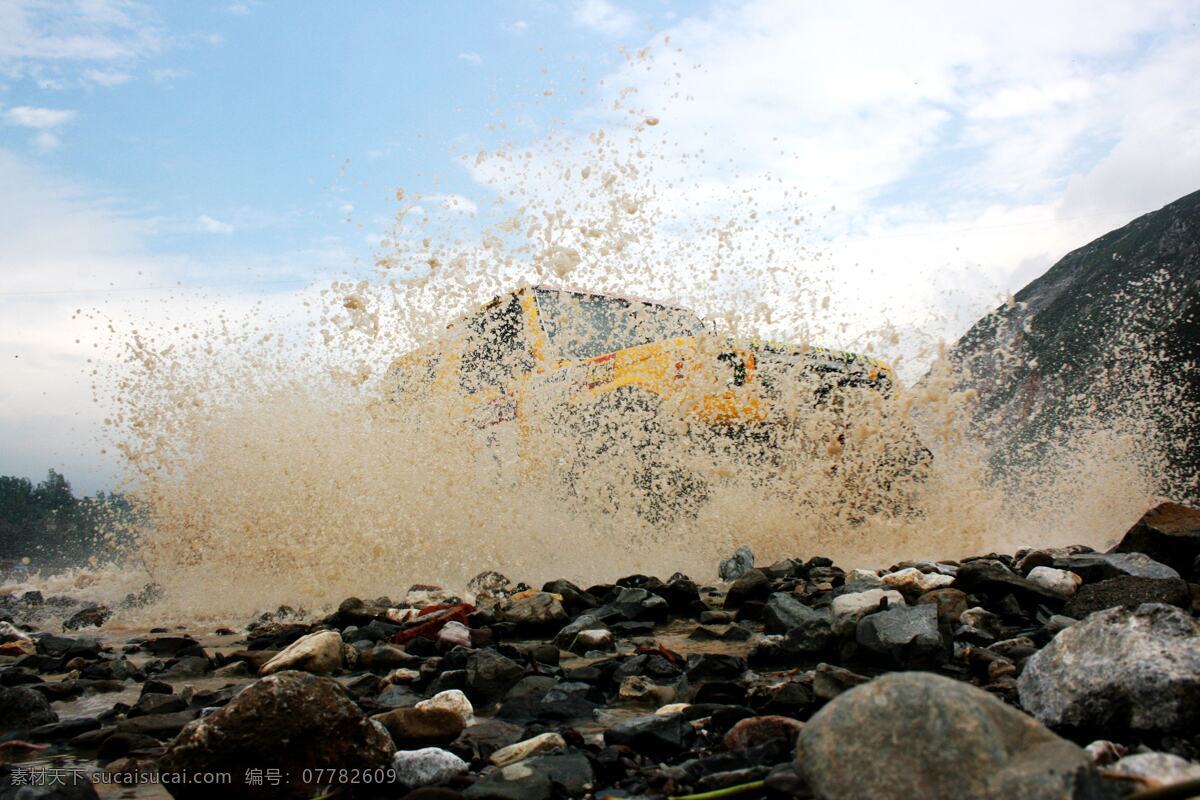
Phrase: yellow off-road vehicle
(622, 381)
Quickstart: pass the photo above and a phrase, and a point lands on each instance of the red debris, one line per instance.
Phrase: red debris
(430, 620)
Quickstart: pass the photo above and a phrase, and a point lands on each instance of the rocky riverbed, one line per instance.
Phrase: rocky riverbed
(1045, 673)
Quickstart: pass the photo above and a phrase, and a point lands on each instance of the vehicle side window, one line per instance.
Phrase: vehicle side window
(496, 348)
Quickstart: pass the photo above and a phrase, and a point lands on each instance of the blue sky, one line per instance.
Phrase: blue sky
(254, 148)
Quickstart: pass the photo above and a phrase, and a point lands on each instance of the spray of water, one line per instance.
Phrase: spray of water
(445, 415)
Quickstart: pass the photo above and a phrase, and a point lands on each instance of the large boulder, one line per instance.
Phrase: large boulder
(1168, 533)
(915, 734)
(293, 721)
(1098, 566)
(490, 674)
(534, 612)
(1120, 669)
(24, 710)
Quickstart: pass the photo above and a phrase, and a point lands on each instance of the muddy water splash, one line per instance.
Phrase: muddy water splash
(299, 462)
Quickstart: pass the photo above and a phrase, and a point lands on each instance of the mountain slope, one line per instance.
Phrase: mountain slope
(1110, 331)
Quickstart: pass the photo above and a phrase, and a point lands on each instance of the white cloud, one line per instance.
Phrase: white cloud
(455, 203)
(106, 77)
(210, 225)
(46, 141)
(960, 155)
(604, 17)
(517, 27)
(473, 58)
(49, 41)
(38, 118)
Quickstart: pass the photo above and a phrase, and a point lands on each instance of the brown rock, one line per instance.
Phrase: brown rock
(756, 730)
(421, 727)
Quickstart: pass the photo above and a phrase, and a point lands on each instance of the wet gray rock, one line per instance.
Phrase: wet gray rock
(847, 609)
(655, 735)
(1099, 566)
(490, 674)
(564, 775)
(1120, 669)
(916, 734)
(292, 721)
(632, 605)
(752, 585)
(784, 611)
(733, 568)
(24, 709)
(1127, 590)
(908, 635)
(993, 578)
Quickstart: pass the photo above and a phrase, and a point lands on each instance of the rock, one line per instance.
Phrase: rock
(14, 642)
(91, 617)
(640, 689)
(490, 675)
(784, 611)
(1154, 770)
(536, 612)
(829, 681)
(733, 568)
(24, 709)
(978, 623)
(633, 605)
(1127, 590)
(908, 635)
(1060, 581)
(1170, 534)
(951, 603)
(419, 727)
(520, 751)
(451, 700)
(593, 639)
(236, 669)
(455, 634)
(292, 721)
(1120, 669)
(847, 609)
(489, 584)
(1099, 566)
(752, 585)
(916, 734)
(427, 766)
(911, 582)
(321, 653)
(160, 726)
(565, 775)
(993, 578)
(652, 735)
(479, 741)
(756, 730)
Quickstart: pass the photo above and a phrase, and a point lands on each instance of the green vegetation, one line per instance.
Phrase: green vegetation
(51, 527)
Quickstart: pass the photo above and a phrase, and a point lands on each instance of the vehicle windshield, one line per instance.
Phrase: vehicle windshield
(588, 325)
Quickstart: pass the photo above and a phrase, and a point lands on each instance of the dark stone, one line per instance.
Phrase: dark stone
(1168, 533)
(162, 726)
(915, 734)
(412, 728)
(1099, 566)
(752, 585)
(171, 645)
(993, 578)
(477, 742)
(1127, 591)
(292, 721)
(711, 666)
(61, 731)
(91, 617)
(907, 634)
(73, 786)
(24, 709)
(490, 675)
(154, 703)
(950, 602)
(652, 735)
